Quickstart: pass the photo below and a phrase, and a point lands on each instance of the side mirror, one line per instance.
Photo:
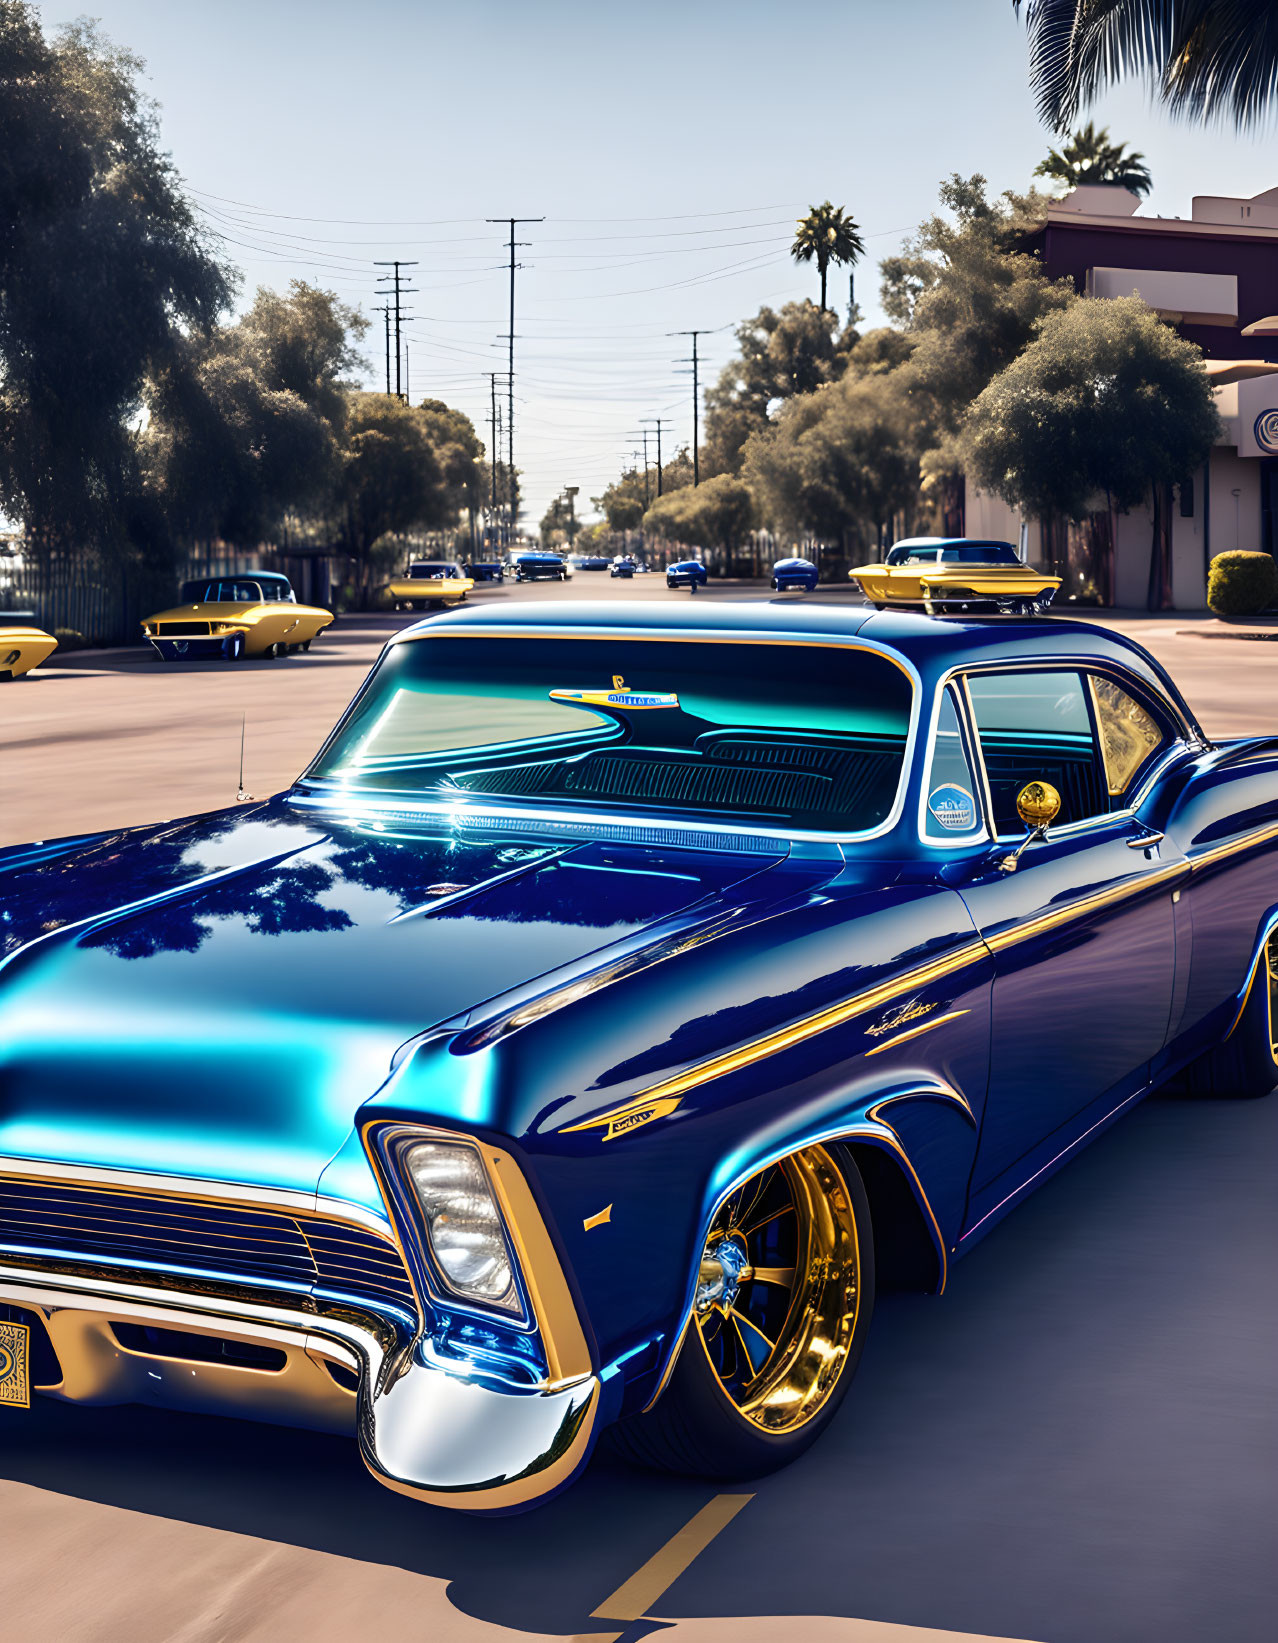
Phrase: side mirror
(1037, 804)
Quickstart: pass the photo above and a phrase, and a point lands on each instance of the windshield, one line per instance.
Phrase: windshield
(808, 735)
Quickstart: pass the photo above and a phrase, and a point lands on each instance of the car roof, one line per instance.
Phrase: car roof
(932, 645)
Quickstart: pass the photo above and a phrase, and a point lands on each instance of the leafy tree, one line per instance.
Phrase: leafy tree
(840, 462)
(246, 427)
(556, 523)
(1205, 59)
(969, 301)
(827, 235)
(103, 269)
(459, 450)
(1090, 157)
(626, 500)
(1107, 399)
(717, 515)
(780, 353)
(390, 478)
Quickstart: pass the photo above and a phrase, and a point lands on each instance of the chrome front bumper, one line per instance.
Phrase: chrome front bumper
(423, 1430)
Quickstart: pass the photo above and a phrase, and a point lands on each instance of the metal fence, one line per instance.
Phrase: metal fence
(103, 604)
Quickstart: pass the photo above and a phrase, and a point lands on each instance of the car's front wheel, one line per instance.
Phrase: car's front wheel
(785, 1289)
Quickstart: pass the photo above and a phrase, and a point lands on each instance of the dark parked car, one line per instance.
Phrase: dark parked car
(794, 573)
(486, 570)
(540, 567)
(688, 573)
(623, 565)
(595, 561)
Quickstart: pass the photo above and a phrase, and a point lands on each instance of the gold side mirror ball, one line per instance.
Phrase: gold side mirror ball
(1037, 804)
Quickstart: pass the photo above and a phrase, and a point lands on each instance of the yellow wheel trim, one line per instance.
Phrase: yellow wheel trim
(778, 1344)
(1271, 977)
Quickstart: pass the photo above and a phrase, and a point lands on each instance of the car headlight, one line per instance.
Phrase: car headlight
(463, 1223)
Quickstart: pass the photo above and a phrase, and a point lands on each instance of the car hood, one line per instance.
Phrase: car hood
(218, 997)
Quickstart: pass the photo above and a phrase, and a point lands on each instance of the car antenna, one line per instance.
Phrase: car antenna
(241, 796)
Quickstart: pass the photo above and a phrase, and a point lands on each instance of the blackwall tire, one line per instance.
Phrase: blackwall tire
(755, 1386)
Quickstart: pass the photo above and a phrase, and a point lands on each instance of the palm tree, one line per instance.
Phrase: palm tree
(824, 236)
(1207, 59)
(1090, 157)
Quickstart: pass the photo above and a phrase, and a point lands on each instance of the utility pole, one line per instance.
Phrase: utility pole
(696, 401)
(400, 316)
(386, 310)
(644, 433)
(659, 420)
(510, 358)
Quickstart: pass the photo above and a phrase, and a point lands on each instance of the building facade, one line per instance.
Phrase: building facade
(1214, 276)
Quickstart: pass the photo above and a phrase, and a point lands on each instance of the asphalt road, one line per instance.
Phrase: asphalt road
(1077, 1443)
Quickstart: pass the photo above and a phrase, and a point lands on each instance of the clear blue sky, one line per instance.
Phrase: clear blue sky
(668, 146)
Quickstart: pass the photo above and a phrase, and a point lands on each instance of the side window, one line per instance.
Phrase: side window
(951, 810)
(1036, 727)
(1128, 734)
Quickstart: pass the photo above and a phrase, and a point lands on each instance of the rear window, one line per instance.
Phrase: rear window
(811, 736)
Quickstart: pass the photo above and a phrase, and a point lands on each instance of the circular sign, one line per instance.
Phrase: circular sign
(1266, 431)
(6, 1362)
(954, 807)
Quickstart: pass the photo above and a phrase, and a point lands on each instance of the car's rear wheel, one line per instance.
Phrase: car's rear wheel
(1245, 1063)
(783, 1301)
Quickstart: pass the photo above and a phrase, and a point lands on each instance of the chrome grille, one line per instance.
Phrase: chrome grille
(159, 1233)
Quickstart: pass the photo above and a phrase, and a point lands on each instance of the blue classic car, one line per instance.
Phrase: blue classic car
(622, 996)
(794, 573)
(688, 573)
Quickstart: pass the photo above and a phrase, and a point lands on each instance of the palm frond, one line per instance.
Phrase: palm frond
(1211, 60)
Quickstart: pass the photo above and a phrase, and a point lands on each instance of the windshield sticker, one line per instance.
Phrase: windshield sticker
(618, 696)
(954, 807)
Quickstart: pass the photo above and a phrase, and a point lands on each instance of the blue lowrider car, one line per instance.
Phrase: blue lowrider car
(622, 996)
(794, 573)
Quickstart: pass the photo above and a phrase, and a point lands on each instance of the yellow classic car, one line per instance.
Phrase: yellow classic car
(430, 583)
(22, 645)
(956, 575)
(235, 616)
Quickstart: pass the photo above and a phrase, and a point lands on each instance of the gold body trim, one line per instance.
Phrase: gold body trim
(600, 1220)
(916, 1032)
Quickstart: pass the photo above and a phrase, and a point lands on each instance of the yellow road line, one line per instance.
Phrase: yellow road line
(634, 1597)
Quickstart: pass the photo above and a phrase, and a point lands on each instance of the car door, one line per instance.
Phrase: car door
(1082, 929)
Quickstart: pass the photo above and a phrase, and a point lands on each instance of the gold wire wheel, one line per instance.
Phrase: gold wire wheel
(779, 1289)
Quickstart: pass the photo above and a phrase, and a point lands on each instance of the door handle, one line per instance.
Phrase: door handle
(1144, 840)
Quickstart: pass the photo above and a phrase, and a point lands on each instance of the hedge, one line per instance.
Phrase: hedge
(1240, 584)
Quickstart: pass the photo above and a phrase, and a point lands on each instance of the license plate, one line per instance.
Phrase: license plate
(15, 1355)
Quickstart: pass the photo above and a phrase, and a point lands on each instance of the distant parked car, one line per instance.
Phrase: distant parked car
(234, 616)
(622, 565)
(22, 644)
(430, 584)
(540, 567)
(595, 561)
(794, 573)
(956, 575)
(486, 570)
(688, 573)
